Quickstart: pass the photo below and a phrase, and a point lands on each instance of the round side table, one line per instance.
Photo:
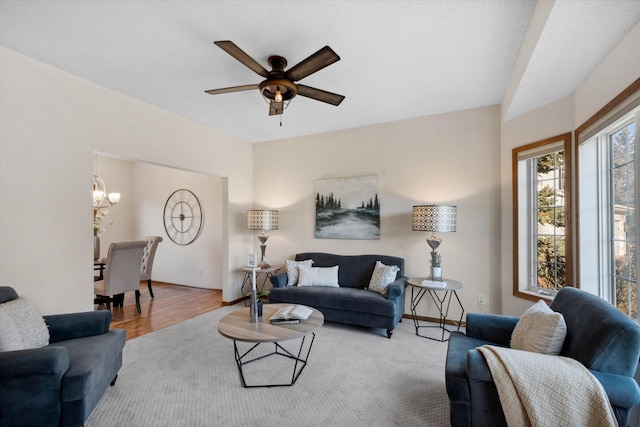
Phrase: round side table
(421, 286)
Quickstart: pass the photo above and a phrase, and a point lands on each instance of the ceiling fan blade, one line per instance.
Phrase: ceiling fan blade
(233, 50)
(316, 62)
(276, 108)
(320, 95)
(231, 89)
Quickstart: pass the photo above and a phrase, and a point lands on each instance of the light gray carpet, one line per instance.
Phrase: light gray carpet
(185, 375)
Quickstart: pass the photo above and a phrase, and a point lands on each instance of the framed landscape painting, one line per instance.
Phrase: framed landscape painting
(348, 208)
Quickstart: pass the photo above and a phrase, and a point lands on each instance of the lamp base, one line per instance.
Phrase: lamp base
(434, 241)
(263, 260)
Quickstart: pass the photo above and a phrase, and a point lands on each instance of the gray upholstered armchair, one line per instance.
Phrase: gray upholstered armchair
(147, 260)
(122, 273)
(598, 335)
(61, 383)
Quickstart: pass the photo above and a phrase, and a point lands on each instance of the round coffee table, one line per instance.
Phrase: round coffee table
(236, 326)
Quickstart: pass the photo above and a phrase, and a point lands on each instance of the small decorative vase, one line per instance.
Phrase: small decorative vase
(253, 308)
(436, 273)
(96, 247)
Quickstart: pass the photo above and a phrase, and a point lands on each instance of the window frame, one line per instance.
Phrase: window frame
(601, 260)
(600, 127)
(538, 148)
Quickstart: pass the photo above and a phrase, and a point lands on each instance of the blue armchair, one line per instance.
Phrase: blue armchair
(60, 384)
(598, 335)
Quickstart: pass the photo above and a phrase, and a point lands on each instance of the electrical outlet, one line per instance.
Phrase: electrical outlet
(482, 299)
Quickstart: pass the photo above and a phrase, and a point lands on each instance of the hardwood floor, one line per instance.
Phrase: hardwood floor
(172, 304)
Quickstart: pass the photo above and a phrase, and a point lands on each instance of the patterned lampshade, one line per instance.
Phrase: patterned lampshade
(258, 219)
(436, 218)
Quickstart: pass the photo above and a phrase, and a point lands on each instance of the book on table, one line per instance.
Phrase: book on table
(434, 283)
(291, 314)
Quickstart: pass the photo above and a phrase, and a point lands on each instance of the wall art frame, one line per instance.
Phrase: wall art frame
(348, 208)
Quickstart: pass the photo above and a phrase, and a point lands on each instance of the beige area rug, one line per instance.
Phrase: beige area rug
(186, 375)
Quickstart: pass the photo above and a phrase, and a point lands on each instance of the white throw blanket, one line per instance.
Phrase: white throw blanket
(540, 390)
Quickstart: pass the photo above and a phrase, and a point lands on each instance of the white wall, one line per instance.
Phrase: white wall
(551, 120)
(198, 264)
(449, 158)
(144, 191)
(52, 122)
(613, 75)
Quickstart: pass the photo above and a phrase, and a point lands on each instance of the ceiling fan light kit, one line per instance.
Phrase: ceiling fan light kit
(279, 88)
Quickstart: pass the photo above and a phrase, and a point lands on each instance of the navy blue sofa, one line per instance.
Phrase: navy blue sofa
(60, 384)
(598, 335)
(349, 303)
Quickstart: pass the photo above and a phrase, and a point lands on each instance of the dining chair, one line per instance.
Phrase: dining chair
(147, 260)
(122, 272)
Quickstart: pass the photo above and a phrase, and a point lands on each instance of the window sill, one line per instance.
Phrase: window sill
(534, 295)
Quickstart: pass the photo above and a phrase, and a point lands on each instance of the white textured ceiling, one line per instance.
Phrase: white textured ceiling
(400, 59)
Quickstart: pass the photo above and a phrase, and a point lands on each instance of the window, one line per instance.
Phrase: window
(608, 215)
(541, 232)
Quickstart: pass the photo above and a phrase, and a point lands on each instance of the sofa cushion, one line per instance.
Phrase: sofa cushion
(292, 270)
(318, 276)
(355, 270)
(382, 277)
(90, 359)
(28, 321)
(348, 299)
(540, 330)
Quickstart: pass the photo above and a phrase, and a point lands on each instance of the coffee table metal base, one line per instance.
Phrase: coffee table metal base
(298, 367)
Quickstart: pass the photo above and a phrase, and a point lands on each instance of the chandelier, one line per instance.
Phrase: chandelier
(102, 199)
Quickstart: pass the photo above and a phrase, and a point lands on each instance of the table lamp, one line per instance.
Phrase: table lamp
(434, 218)
(260, 219)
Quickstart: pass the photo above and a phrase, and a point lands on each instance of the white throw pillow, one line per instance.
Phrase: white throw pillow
(292, 270)
(9, 336)
(28, 321)
(540, 330)
(318, 276)
(382, 277)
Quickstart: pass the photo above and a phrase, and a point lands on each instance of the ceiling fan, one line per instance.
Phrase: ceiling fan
(279, 87)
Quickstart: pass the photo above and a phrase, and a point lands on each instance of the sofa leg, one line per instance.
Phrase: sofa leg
(389, 333)
(113, 381)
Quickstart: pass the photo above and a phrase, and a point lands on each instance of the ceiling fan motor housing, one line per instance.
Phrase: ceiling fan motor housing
(277, 81)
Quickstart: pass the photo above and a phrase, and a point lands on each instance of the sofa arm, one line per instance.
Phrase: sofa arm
(76, 325)
(622, 391)
(491, 327)
(30, 385)
(279, 280)
(486, 409)
(396, 289)
(50, 360)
